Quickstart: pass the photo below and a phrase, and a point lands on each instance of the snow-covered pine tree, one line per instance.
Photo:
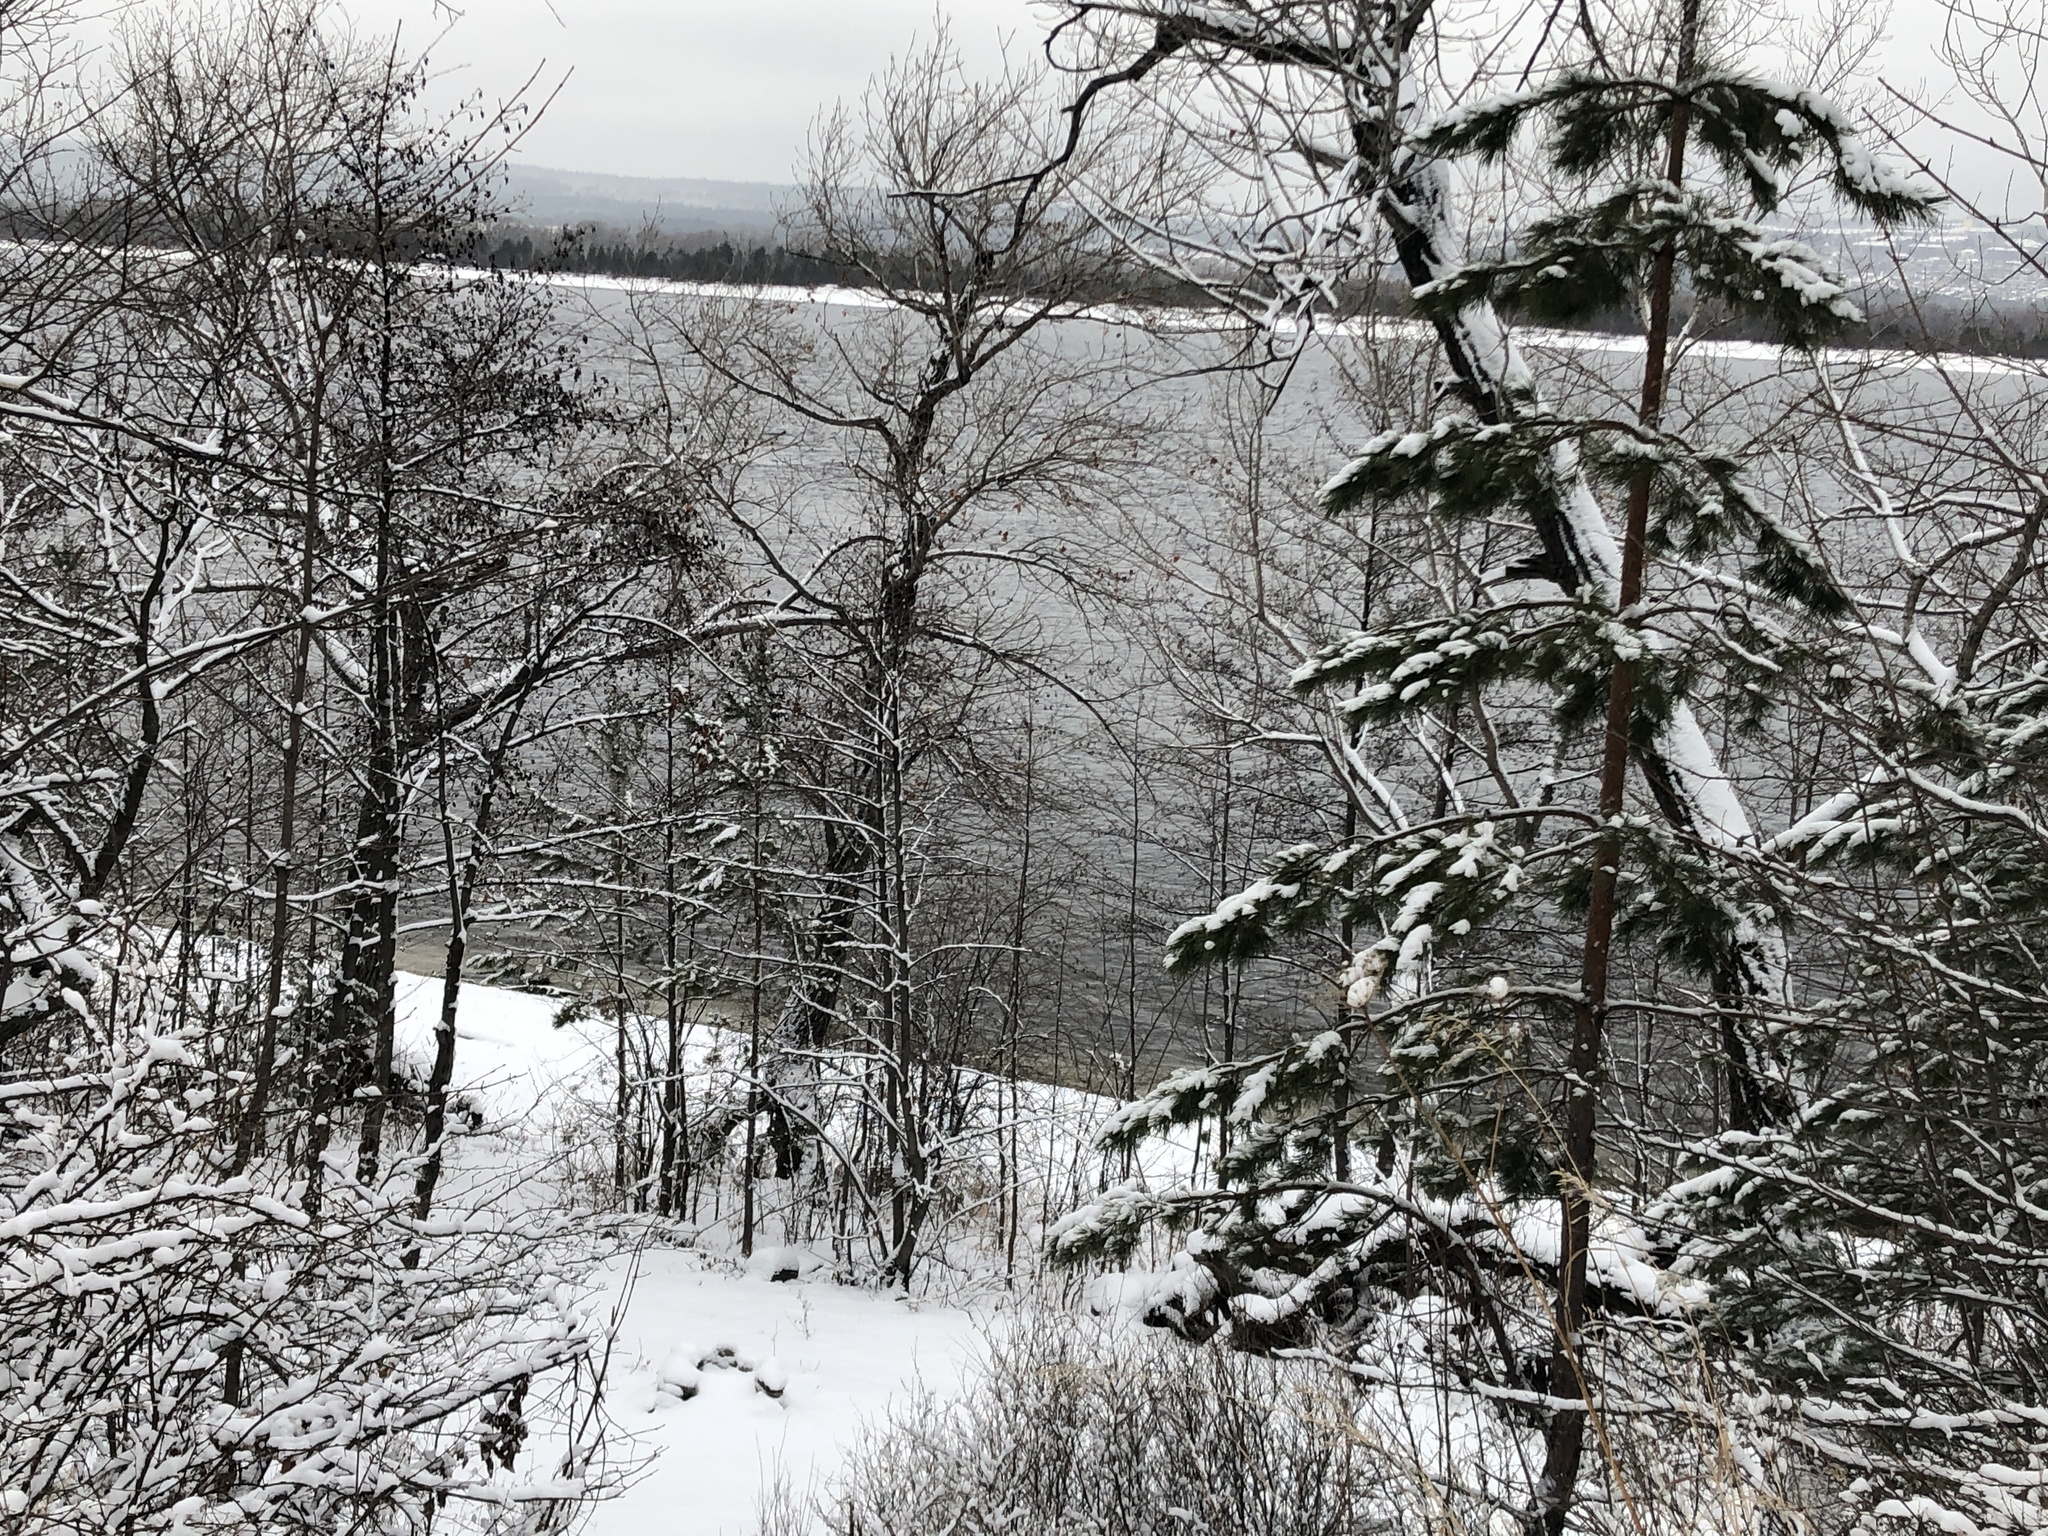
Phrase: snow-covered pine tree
(1501, 921)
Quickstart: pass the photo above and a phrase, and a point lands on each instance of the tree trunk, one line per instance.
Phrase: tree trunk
(462, 884)
(362, 982)
(1564, 1441)
(249, 1135)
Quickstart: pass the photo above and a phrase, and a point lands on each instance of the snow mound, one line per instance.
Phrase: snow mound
(787, 1264)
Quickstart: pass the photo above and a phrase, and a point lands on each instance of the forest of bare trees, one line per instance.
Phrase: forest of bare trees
(1495, 867)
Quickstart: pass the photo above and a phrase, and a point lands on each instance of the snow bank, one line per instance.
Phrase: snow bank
(509, 1053)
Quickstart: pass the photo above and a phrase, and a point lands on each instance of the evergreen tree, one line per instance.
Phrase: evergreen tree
(1503, 924)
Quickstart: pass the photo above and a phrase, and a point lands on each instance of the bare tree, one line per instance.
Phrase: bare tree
(930, 437)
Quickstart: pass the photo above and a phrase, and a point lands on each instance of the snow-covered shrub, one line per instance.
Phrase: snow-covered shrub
(1073, 1427)
(183, 1347)
(1878, 1260)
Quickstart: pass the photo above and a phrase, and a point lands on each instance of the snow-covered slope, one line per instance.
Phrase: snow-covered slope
(698, 1336)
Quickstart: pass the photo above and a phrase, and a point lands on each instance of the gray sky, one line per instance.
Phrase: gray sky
(721, 88)
(728, 88)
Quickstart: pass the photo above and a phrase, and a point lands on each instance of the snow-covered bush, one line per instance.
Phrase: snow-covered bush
(1072, 1426)
(183, 1347)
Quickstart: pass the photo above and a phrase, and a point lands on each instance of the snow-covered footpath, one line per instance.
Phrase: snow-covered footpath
(723, 1380)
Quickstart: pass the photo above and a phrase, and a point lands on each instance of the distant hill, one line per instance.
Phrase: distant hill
(679, 205)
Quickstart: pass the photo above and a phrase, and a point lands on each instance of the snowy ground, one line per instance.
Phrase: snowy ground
(839, 1355)
(688, 1323)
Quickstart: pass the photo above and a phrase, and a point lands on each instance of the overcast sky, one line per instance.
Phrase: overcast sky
(727, 88)
(720, 88)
